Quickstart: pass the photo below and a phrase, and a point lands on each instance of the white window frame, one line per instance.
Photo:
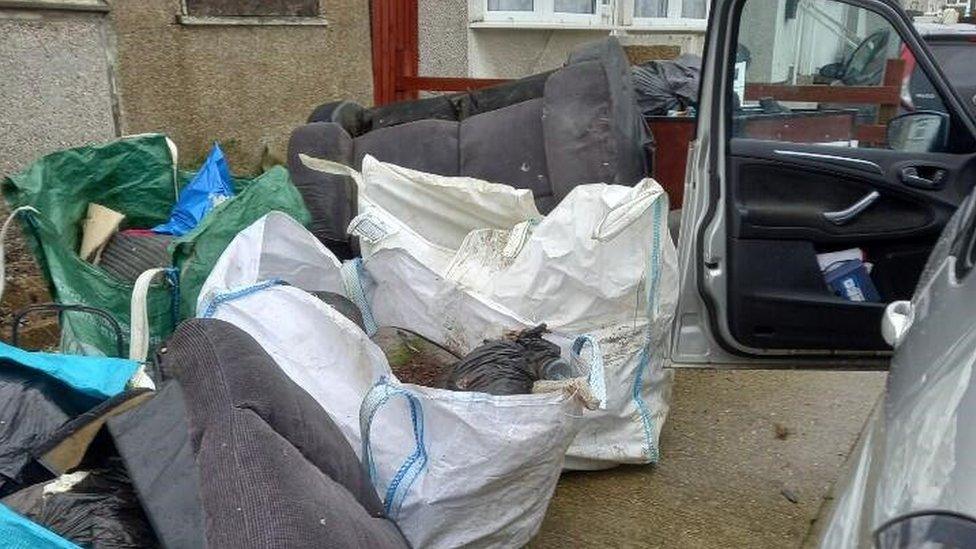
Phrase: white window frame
(610, 14)
(544, 12)
(674, 19)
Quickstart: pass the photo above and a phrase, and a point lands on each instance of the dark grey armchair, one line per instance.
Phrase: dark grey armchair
(548, 133)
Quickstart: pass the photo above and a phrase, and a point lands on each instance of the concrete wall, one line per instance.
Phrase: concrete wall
(56, 92)
(56, 87)
(245, 86)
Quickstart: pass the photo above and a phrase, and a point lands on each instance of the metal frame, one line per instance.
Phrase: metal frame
(60, 309)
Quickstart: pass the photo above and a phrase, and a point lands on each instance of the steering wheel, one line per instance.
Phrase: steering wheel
(866, 63)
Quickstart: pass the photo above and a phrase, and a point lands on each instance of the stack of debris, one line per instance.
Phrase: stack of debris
(426, 390)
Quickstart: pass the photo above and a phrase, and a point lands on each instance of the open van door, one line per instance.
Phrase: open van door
(807, 143)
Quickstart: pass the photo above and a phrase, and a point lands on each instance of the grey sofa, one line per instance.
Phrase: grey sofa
(548, 133)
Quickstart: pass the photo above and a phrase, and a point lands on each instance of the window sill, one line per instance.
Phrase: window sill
(62, 5)
(228, 21)
(537, 25)
(643, 28)
(667, 26)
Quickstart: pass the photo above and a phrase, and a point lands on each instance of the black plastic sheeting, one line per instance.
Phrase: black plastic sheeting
(32, 407)
(506, 366)
(100, 511)
(344, 305)
(663, 86)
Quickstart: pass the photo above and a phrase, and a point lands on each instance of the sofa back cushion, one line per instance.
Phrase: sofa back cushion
(507, 146)
(425, 145)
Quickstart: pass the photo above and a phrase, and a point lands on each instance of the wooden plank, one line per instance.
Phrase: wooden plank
(878, 95)
(872, 134)
(434, 83)
(894, 73)
(825, 127)
(672, 136)
(395, 48)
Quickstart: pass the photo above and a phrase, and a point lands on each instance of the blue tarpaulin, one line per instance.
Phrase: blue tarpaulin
(96, 377)
(212, 185)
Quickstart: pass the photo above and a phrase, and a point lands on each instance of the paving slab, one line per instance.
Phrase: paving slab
(747, 459)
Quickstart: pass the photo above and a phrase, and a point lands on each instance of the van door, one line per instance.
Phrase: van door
(815, 190)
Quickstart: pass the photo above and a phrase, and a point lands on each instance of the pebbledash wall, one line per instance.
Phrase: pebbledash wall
(77, 71)
(246, 82)
(83, 71)
(56, 72)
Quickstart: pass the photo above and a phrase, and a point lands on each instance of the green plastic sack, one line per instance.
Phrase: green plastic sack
(136, 176)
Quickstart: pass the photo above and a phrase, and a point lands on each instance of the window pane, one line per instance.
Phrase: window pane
(575, 6)
(956, 59)
(814, 71)
(650, 8)
(693, 9)
(232, 8)
(510, 5)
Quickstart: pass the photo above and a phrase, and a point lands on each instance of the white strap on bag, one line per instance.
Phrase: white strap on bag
(587, 357)
(632, 209)
(139, 315)
(333, 168)
(3, 241)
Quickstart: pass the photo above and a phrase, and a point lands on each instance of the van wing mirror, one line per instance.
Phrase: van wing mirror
(919, 131)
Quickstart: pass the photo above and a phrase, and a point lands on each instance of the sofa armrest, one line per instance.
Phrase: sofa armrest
(347, 114)
(330, 199)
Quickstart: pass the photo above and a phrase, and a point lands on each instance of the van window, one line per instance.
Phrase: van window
(820, 72)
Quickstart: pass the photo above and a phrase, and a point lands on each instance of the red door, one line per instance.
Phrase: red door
(395, 50)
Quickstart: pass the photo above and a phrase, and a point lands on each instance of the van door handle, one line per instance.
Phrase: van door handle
(848, 214)
(910, 177)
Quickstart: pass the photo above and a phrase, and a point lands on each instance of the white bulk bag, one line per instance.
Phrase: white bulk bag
(601, 262)
(427, 213)
(626, 428)
(582, 266)
(453, 468)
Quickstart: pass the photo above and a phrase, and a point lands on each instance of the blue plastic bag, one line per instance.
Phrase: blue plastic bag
(850, 280)
(211, 186)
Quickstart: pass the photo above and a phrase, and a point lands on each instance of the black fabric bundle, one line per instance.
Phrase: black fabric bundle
(663, 86)
(505, 366)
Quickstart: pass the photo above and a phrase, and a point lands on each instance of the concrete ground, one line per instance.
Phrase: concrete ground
(747, 460)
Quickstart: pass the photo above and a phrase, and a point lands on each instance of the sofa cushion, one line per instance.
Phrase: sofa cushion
(426, 145)
(627, 126)
(506, 146)
(579, 144)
